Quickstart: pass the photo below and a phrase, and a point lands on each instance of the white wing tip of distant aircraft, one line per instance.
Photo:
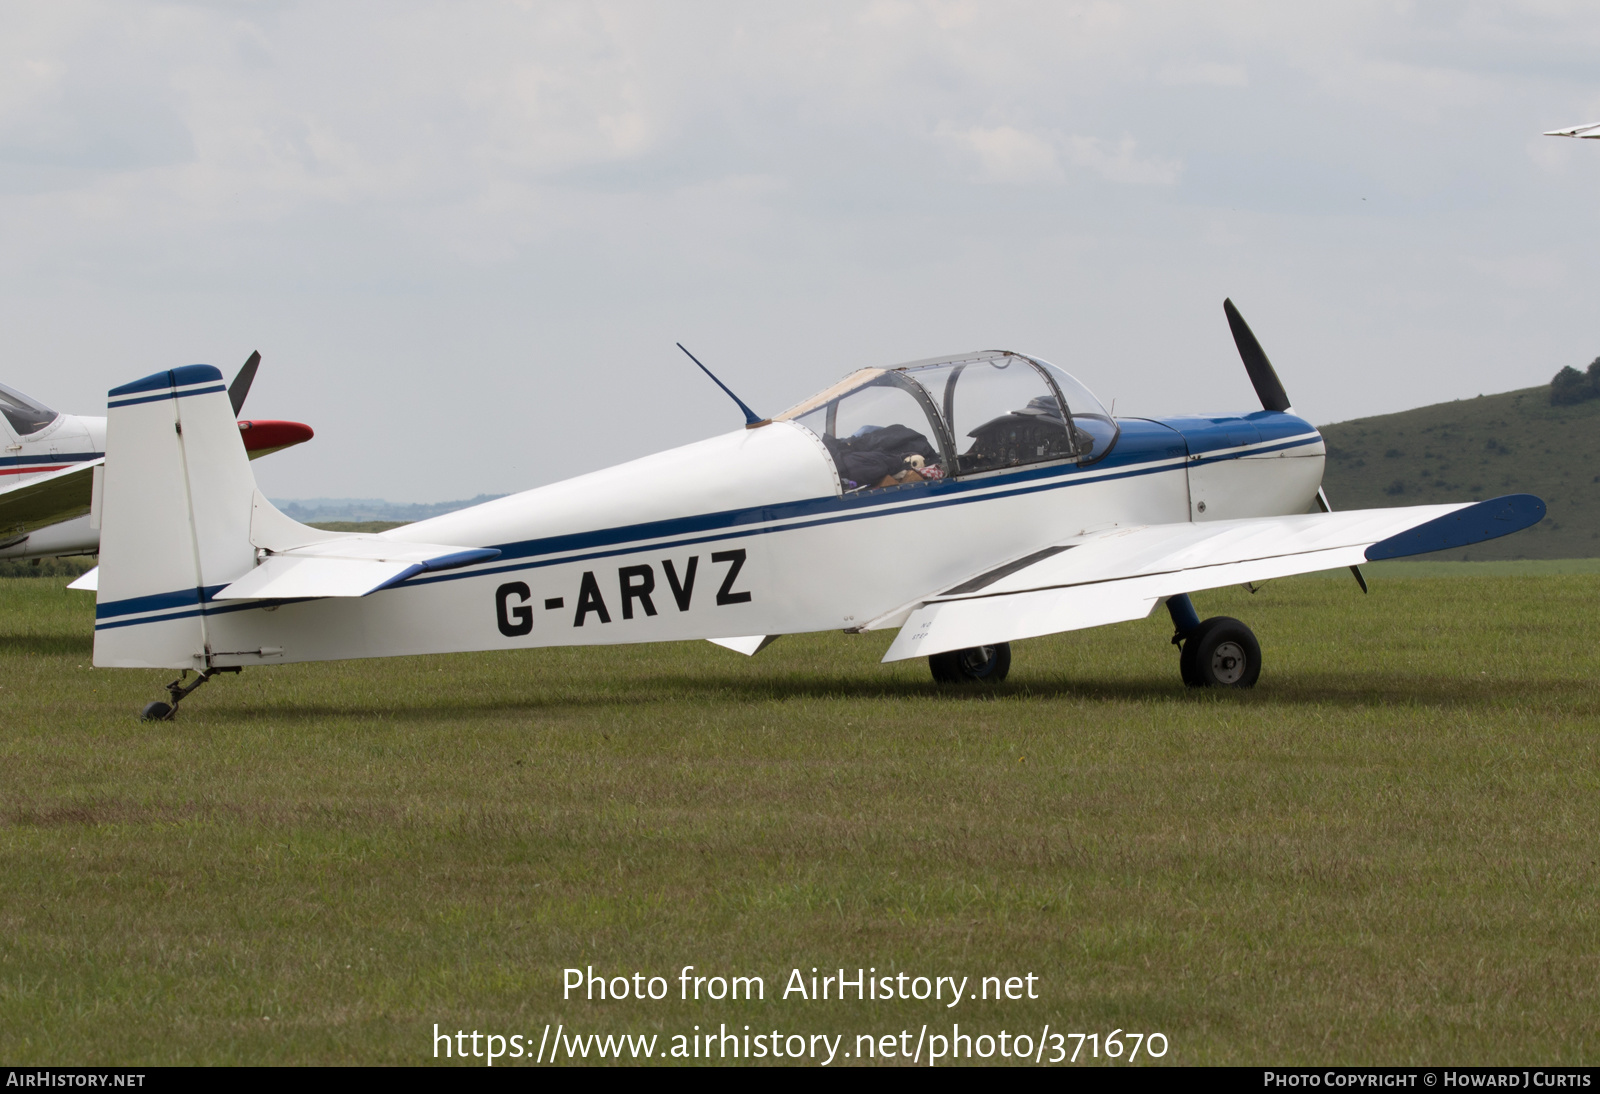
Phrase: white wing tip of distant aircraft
(1590, 131)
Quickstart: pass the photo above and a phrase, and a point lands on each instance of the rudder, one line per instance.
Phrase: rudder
(175, 525)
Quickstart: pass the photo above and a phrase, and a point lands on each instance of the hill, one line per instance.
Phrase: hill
(1470, 449)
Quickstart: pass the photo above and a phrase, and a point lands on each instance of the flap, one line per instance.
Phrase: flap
(348, 566)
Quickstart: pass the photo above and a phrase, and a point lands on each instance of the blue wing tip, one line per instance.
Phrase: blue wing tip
(1477, 523)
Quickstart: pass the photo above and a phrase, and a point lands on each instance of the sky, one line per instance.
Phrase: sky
(465, 237)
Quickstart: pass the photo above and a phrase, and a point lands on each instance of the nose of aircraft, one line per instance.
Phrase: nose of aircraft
(262, 437)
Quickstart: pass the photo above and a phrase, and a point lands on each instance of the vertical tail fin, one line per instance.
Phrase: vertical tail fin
(175, 525)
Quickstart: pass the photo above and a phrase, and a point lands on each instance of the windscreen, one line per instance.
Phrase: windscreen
(1000, 409)
(1091, 422)
(25, 415)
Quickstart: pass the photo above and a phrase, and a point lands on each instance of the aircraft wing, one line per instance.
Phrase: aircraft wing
(1590, 131)
(1122, 573)
(46, 500)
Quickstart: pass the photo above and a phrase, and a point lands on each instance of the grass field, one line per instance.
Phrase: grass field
(1386, 853)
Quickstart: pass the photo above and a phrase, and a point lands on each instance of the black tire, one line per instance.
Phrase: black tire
(1221, 653)
(156, 712)
(979, 665)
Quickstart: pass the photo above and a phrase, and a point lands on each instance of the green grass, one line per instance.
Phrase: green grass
(1387, 853)
(1470, 449)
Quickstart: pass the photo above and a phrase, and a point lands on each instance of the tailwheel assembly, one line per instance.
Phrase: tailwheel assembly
(978, 665)
(177, 691)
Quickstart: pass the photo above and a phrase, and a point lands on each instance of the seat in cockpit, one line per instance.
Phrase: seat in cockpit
(875, 453)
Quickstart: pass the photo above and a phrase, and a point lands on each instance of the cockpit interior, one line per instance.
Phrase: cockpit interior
(953, 417)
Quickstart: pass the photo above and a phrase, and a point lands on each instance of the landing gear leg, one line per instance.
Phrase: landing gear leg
(1218, 653)
(1185, 620)
(178, 690)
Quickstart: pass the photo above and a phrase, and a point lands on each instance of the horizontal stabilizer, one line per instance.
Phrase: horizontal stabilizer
(88, 581)
(348, 566)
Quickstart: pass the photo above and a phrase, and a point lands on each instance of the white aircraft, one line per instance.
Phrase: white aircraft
(967, 501)
(1586, 132)
(51, 460)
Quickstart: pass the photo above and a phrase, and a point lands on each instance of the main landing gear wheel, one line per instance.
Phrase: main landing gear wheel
(1220, 653)
(979, 665)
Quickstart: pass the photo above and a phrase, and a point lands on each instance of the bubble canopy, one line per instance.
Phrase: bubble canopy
(978, 413)
(25, 415)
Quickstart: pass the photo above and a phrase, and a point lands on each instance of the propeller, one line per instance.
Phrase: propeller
(1269, 389)
(241, 383)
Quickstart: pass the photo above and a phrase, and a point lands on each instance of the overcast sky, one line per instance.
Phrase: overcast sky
(464, 237)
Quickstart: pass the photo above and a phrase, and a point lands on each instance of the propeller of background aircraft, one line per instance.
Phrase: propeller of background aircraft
(241, 383)
(1269, 389)
(262, 437)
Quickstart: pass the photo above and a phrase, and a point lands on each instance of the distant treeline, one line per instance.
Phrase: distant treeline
(1571, 386)
(325, 510)
(47, 567)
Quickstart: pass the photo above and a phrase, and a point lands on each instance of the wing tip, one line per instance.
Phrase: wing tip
(1476, 523)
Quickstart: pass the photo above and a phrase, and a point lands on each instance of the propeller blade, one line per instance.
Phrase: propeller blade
(241, 383)
(1323, 504)
(1268, 387)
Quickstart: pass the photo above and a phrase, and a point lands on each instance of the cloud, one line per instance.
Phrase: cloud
(1122, 163)
(1006, 154)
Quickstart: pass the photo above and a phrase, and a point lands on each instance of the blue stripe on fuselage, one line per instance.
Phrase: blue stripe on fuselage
(1204, 433)
(52, 459)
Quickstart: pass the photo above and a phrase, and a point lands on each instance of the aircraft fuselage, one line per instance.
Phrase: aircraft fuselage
(747, 533)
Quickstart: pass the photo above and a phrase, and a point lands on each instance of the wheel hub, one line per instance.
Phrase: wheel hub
(1227, 662)
(976, 661)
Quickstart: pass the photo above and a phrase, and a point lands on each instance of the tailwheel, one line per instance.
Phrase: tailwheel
(177, 691)
(978, 665)
(1220, 653)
